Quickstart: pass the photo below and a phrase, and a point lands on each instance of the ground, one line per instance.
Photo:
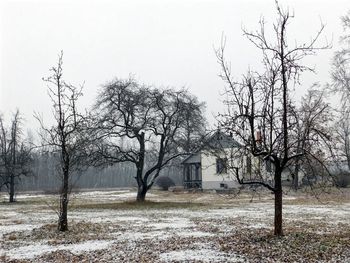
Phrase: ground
(107, 226)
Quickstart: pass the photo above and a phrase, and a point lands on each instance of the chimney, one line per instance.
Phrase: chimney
(258, 136)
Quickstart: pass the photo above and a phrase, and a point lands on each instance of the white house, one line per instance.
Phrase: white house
(206, 170)
(208, 167)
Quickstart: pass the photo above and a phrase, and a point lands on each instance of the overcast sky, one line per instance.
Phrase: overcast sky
(165, 43)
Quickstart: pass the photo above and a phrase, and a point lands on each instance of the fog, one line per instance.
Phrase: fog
(163, 43)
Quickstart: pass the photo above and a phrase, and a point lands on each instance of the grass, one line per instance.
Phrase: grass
(259, 245)
(146, 205)
(310, 236)
(29, 201)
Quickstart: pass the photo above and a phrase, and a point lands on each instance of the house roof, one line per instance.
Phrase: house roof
(220, 140)
(213, 141)
(193, 158)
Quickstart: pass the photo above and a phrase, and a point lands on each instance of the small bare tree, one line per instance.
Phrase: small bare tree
(260, 108)
(142, 125)
(63, 139)
(15, 157)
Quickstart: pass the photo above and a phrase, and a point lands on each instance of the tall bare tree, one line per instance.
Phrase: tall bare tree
(195, 124)
(5, 152)
(260, 107)
(341, 65)
(341, 85)
(315, 138)
(16, 156)
(311, 117)
(63, 138)
(144, 126)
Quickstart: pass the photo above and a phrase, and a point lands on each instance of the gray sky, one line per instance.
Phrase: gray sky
(164, 42)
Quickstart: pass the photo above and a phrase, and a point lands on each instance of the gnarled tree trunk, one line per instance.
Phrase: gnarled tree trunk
(63, 218)
(141, 193)
(278, 203)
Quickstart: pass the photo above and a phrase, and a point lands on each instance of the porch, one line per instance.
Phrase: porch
(192, 176)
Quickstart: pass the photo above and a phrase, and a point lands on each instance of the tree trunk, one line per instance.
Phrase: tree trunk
(278, 213)
(295, 182)
(12, 175)
(141, 193)
(142, 186)
(278, 203)
(63, 220)
(12, 188)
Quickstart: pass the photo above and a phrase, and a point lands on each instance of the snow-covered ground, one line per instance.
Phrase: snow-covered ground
(182, 233)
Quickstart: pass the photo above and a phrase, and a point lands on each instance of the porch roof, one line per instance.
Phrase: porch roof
(192, 158)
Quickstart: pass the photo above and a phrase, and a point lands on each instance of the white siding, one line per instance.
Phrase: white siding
(211, 179)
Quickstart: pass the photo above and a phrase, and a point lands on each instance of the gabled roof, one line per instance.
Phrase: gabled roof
(192, 158)
(220, 140)
(213, 141)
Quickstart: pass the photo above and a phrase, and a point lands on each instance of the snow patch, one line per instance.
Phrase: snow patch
(172, 223)
(29, 196)
(258, 225)
(28, 252)
(203, 255)
(32, 251)
(132, 218)
(118, 195)
(195, 234)
(134, 236)
(103, 193)
(5, 229)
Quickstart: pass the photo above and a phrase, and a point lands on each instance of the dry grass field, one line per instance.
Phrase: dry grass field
(108, 226)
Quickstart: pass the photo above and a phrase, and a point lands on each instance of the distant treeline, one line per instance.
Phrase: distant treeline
(45, 176)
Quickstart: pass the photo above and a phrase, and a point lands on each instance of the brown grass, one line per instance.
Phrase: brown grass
(146, 205)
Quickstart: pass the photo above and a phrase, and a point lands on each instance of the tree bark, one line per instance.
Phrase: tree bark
(278, 203)
(14, 142)
(295, 182)
(278, 214)
(142, 186)
(12, 188)
(141, 193)
(63, 219)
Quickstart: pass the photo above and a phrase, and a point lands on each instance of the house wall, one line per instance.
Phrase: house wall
(259, 166)
(211, 179)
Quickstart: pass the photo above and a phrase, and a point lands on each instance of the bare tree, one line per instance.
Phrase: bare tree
(311, 117)
(16, 157)
(315, 138)
(341, 65)
(194, 124)
(5, 152)
(63, 139)
(144, 126)
(260, 108)
(342, 130)
(341, 85)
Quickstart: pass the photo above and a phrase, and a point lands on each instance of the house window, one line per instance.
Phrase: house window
(223, 185)
(221, 165)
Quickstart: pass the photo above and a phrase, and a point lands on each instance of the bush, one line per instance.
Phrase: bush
(164, 182)
(309, 180)
(342, 179)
